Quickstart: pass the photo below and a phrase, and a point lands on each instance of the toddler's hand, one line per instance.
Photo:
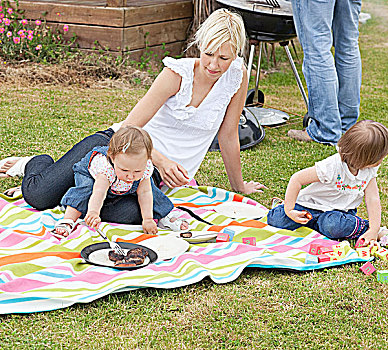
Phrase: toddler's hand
(92, 219)
(149, 226)
(368, 238)
(301, 217)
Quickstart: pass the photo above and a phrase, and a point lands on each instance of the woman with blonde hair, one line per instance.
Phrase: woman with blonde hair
(189, 102)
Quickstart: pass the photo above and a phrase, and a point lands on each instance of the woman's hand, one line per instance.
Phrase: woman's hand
(301, 217)
(252, 187)
(92, 219)
(173, 174)
(149, 226)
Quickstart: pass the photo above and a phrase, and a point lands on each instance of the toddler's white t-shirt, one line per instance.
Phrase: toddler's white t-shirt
(338, 188)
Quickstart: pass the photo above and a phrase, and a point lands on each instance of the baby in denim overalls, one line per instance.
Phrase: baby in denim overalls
(337, 187)
(123, 168)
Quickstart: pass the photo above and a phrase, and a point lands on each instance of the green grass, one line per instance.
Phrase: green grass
(263, 309)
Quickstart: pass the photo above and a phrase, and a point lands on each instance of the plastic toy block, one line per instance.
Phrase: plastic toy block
(339, 250)
(311, 259)
(363, 252)
(373, 250)
(324, 250)
(368, 268)
(382, 253)
(323, 258)
(230, 233)
(314, 248)
(222, 237)
(359, 242)
(382, 276)
(249, 240)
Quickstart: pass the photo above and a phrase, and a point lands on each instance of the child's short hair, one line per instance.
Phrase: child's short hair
(364, 144)
(130, 140)
(220, 27)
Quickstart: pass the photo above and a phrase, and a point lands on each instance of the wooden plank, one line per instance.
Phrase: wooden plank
(158, 13)
(103, 16)
(131, 38)
(158, 33)
(70, 14)
(173, 49)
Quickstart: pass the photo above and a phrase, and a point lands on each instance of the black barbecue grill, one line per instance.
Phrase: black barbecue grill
(265, 21)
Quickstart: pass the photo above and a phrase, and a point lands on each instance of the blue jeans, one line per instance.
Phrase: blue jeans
(333, 83)
(45, 182)
(333, 224)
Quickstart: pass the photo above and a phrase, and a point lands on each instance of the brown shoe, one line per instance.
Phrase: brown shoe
(300, 135)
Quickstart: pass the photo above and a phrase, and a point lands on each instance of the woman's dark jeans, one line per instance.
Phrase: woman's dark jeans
(45, 182)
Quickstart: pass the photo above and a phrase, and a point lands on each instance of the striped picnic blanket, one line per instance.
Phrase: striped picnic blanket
(40, 273)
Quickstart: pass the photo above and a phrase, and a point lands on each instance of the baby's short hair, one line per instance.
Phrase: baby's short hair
(220, 27)
(130, 140)
(364, 144)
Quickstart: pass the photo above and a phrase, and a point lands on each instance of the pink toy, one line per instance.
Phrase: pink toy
(314, 248)
(222, 237)
(323, 250)
(368, 268)
(249, 240)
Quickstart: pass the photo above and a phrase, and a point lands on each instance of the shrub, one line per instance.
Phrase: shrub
(24, 40)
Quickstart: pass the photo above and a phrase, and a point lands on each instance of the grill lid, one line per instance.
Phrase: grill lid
(270, 7)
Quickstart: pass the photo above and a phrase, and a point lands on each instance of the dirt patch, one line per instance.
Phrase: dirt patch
(75, 73)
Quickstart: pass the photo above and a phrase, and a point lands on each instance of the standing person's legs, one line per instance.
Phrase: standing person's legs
(313, 21)
(45, 181)
(347, 59)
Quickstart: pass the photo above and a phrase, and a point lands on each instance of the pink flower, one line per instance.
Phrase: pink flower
(65, 28)
(58, 14)
(10, 11)
(2, 30)
(9, 34)
(30, 37)
(24, 22)
(16, 39)
(1, 8)
(21, 32)
(1, 15)
(7, 21)
(30, 32)
(38, 22)
(1, 20)
(38, 47)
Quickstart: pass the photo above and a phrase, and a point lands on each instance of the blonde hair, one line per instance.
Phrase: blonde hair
(130, 140)
(364, 144)
(220, 27)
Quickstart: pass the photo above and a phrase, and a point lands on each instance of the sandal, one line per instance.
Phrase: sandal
(17, 169)
(173, 222)
(65, 224)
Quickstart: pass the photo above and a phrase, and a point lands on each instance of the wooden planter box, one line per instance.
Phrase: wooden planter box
(118, 25)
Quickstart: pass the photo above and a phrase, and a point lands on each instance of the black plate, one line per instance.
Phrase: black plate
(85, 253)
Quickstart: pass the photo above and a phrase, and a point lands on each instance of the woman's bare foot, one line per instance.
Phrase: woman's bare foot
(7, 164)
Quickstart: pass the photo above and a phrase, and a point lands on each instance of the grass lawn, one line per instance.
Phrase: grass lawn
(263, 309)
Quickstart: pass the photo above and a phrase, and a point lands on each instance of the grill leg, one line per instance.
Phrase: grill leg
(250, 62)
(296, 75)
(258, 71)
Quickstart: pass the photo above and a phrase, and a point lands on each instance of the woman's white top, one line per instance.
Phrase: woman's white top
(338, 188)
(184, 133)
